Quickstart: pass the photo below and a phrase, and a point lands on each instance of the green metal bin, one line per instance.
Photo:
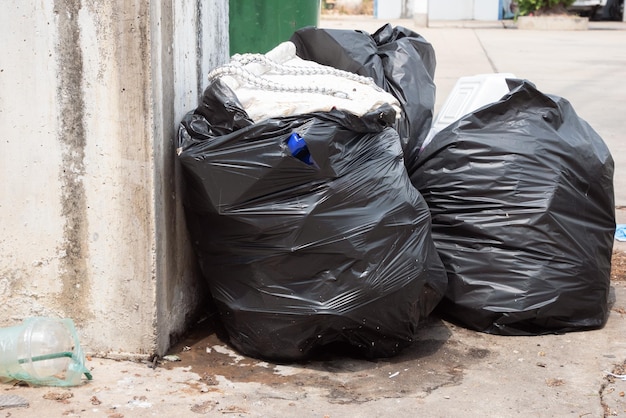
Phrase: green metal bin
(260, 25)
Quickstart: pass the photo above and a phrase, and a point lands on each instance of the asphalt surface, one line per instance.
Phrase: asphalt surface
(449, 371)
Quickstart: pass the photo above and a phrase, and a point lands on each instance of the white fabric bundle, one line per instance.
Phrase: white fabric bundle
(281, 84)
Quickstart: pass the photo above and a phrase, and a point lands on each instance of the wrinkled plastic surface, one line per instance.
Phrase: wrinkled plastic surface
(299, 256)
(399, 60)
(522, 204)
(42, 351)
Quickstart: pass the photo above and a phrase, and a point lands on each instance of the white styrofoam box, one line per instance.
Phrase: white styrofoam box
(468, 94)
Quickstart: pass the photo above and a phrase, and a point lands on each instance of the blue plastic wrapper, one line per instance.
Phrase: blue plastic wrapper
(620, 232)
(299, 256)
(522, 203)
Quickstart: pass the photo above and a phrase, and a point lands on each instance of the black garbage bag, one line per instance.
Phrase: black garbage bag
(332, 245)
(522, 204)
(399, 61)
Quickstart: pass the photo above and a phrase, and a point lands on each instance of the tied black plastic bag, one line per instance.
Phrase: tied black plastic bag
(522, 204)
(399, 61)
(332, 245)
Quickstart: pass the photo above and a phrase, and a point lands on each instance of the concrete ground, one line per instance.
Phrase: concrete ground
(449, 371)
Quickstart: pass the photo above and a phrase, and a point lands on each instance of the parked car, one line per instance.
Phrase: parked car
(599, 9)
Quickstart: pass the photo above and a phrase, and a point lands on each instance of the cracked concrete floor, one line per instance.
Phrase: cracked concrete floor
(448, 372)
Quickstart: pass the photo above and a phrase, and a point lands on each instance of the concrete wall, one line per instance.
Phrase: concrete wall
(419, 12)
(463, 9)
(91, 225)
(389, 9)
(450, 9)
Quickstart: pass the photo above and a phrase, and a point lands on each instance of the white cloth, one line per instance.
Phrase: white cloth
(261, 102)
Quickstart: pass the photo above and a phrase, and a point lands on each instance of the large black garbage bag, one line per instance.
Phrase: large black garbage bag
(522, 204)
(299, 254)
(399, 61)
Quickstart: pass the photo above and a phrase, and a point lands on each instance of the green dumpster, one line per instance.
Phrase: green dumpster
(260, 25)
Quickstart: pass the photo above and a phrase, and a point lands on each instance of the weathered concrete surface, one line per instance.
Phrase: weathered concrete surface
(90, 97)
(553, 23)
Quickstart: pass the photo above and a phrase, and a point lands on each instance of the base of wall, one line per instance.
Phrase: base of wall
(560, 22)
(120, 356)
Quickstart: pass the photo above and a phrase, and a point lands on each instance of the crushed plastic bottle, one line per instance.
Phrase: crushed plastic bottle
(42, 351)
(299, 149)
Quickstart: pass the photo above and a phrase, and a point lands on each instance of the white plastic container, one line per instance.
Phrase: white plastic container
(469, 94)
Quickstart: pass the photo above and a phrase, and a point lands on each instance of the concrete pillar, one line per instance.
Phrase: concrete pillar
(92, 227)
(420, 13)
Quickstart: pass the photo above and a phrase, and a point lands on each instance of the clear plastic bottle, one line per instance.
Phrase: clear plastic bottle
(42, 351)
